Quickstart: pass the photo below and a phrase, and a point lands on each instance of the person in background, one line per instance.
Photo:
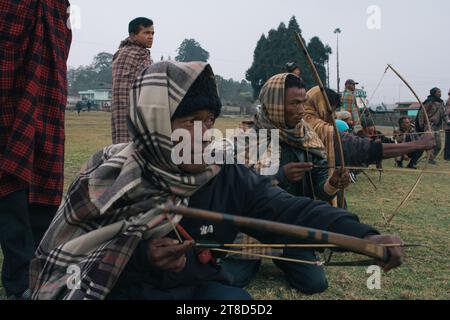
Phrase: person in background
(89, 105)
(342, 127)
(348, 102)
(132, 57)
(369, 130)
(347, 117)
(79, 107)
(294, 68)
(447, 129)
(358, 151)
(435, 108)
(407, 133)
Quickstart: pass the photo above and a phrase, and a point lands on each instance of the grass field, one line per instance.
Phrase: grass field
(426, 219)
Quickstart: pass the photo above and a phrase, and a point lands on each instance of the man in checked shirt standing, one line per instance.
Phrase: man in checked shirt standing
(35, 38)
(132, 57)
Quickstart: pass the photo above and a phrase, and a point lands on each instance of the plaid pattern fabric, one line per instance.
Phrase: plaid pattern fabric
(34, 46)
(316, 105)
(319, 119)
(348, 103)
(447, 116)
(129, 60)
(98, 226)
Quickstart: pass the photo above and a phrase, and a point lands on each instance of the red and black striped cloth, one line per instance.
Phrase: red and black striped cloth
(35, 38)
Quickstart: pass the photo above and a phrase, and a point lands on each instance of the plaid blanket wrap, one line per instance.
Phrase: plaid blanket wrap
(348, 103)
(35, 40)
(128, 62)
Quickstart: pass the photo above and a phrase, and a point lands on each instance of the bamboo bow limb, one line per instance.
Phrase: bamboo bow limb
(419, 178)
(390, 170)
(353, 244)
(327, 102)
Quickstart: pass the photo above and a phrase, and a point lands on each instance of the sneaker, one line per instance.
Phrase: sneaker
(432, 162)
(412, 167)
(399, 164)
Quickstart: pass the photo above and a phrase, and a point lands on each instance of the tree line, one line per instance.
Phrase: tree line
(271, 54)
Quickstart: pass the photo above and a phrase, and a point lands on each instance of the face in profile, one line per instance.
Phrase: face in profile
(294, 109)
(297, 72)
(145, 36)
(351, 87)
(406, 124)
(370, 131)
(350, 122)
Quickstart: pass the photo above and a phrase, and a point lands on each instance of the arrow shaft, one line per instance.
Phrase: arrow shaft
(388, 170)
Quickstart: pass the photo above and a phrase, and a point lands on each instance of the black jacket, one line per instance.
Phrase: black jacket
(312, 185)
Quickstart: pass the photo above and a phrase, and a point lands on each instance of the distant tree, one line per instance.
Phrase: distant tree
(320, 54)
(97, 74)
(258, 73)
(102, 61)
(81, 79)
(279, 47)
(191, 50)
(102, 64)
(234, 93)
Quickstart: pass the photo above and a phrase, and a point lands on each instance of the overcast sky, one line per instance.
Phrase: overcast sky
(414, 36)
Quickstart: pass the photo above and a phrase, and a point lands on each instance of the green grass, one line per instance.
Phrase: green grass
(425, 219)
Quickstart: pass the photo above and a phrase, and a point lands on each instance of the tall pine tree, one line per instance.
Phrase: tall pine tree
(278, 48)
(191, 50)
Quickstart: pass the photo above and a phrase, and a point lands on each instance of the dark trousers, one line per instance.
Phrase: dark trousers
(437, 149)
(414, 158)
(447, 145)
(22, 227)
(308, 279)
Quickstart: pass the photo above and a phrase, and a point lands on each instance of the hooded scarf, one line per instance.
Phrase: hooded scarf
(97, 228)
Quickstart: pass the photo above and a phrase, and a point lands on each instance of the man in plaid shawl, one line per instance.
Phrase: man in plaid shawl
(132, 57)
(34, 45)
(435, 108)
(283, 98)
(349, 102)
(110, 240)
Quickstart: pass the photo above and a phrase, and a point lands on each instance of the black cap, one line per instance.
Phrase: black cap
(350, 81)
(291, 66)
(202, 95)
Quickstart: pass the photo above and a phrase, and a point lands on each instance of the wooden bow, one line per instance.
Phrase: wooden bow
(419, 178)
(356, 245)
(327, 102)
